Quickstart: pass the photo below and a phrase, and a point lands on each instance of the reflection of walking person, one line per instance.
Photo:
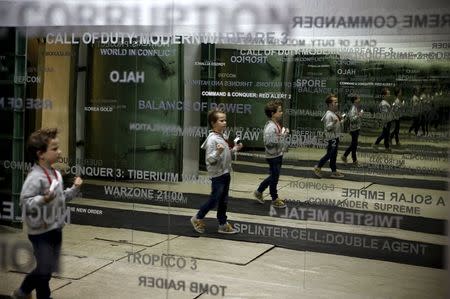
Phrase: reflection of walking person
(275, 144)
(354, 115)
(332, 125)
(416, 106)
(218, 164)
(43, 202)
(386, 114)
(396, 112)
(425, 103)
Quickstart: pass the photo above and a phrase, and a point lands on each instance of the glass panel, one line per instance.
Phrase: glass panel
(241, 150)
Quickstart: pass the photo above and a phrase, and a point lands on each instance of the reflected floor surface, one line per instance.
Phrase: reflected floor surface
(102, 262)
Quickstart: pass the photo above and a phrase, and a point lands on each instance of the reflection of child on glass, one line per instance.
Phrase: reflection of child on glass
(332, 124)
(275, 144)
(386, 114)
(43, 202)
(354, 115)
(397, 106)
(218, 164)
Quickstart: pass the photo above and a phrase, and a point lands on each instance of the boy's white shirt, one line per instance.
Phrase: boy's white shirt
(217, 163)
(39, 216)
(396, 106)
(386, 111)
(332, 125)
(274, 141)
(355, 118)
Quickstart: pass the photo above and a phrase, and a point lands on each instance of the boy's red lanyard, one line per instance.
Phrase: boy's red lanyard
(221, 136)
(47, 175)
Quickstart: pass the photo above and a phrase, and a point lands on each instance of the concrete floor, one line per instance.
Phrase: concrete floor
(103, 263)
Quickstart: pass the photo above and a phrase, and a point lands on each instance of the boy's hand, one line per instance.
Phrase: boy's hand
(78, 182)
(285, 131)
(220, 148)
(238, 147)
(49, 196)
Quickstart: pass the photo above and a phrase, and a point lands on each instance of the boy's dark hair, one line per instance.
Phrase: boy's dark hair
(272, 107)
(384, 91)
(329, 98)
(212, 116)
(354, 97)
(397, 91)
(38, 141)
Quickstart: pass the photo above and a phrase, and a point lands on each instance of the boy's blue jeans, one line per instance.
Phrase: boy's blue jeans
(46, 249)
(332, 151)
(385, 134)
(272, 180)
(353, 145)
(219, 194)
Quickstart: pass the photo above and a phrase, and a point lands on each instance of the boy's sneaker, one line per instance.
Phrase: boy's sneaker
(337, 174)
(278, 203)
(198, 224)
(259, 197)
(317, 172)
(18, 294)
(344, 159)
(227, 229)
(356, 163)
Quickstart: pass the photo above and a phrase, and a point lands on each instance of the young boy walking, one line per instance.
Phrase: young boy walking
(275, 145)
(386, 114)
(397, 106)
(354, 115)
(218, 164)
(332, 124)
(43, 202)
